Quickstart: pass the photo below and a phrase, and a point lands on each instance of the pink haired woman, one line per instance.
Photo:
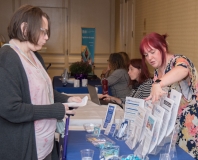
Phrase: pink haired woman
(176, 72)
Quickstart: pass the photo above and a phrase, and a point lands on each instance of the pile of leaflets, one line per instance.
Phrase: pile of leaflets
(151, 126)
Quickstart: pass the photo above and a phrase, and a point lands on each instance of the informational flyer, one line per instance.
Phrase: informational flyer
(110, 114)
(139, 122)
(167, 104)
(176, 97)
(129, 141)
(130, 129)
(131, 107)
(148, 112)
(150, 127)
(76, 105)
(158, 112)
(135, 134)
(148, 104)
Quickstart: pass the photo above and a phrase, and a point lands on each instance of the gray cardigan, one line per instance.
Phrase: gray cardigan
(17, 114)
(118, 82)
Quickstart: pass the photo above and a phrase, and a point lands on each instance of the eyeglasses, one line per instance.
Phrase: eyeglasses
(44, 31)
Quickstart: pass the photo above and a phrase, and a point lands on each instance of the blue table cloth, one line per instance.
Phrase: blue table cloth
(77, 141)
(70, 89)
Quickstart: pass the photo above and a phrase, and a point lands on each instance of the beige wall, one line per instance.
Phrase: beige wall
(124, 26)
(177, 18)
(98, 14)
(67, 19)
(6, 10)
(55, 52)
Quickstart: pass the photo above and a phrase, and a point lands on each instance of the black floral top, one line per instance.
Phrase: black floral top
(188, 110)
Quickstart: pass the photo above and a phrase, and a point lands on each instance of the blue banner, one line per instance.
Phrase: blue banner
(88, 45)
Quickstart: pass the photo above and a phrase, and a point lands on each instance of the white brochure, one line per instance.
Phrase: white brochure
(167, 104)
(75, 104)
(130, 129)
(158, 112)
(137, 129)
(131, 110)
(148, 104)
(131, 107)
(110, 114)
(148, 112)
(138, 125)
(130, 135)
(176, 97)
(148, 134)
(129, 141)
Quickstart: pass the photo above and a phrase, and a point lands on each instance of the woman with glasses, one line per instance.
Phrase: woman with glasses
(29, 108)
(140, 81)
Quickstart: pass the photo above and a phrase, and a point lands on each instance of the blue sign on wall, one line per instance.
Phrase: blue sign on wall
(88, 45)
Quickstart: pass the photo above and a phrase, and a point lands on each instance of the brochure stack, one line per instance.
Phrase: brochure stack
(145, 127)
(152, 128)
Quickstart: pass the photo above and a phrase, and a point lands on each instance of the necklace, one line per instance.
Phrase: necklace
(22, 53)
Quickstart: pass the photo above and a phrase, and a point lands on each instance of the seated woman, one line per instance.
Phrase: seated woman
(126, 59)
(119, 79)
(107, 71)
(141, 82)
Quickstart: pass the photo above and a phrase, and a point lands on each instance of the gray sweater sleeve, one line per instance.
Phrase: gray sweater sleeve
(114, 77)
(15, 102)
(16, 106)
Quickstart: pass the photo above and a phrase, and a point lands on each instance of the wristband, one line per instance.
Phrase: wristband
(158, 81)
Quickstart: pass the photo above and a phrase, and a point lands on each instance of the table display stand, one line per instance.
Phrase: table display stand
(167, 146)
(134, 141)
(139, 149)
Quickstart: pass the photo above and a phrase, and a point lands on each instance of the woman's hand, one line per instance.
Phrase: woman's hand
(104, 97)
(156, 93)
(71, 99)
(74, 99)
(108, 68)
(107, 97)
(67, 111)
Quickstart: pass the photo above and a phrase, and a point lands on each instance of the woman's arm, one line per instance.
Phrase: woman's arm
(110, 98)
(15, 102)
(176, 74)
(115, 99)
